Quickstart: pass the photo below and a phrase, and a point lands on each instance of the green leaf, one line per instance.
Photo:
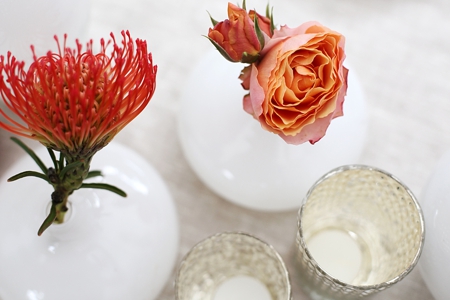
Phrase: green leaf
(52, 155)
(94, 173)
(28, 174)
(272, 24)
(104, 186)
(68, 168)
(61, 161)
(244, 6)
(214, 22)
(49, 220)
(220, 49)
(31, 153)
(259, 33)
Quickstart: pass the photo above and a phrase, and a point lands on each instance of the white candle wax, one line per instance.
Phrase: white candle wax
(337, 253)
(242, 288)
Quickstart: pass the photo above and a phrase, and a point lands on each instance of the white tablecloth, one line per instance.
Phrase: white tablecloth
(399, 49)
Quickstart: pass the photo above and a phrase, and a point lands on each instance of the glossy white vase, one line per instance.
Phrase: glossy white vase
(435, 261)
(109, 248)
(247, 165)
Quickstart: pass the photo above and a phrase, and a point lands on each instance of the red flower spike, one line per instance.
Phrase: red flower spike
(74, 101)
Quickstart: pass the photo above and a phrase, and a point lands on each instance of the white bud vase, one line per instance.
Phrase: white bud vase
(247, 165)
(109, 248)
(435, 261)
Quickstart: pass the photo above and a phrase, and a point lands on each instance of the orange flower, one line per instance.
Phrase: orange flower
(241, 37)
(299, 84)
(76, 102)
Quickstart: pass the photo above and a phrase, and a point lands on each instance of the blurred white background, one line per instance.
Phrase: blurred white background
(399, 49)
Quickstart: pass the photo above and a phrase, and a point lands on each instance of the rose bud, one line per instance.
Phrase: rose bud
(239, 38)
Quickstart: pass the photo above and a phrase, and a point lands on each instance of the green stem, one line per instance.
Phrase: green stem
(66, 176)
(60, 198)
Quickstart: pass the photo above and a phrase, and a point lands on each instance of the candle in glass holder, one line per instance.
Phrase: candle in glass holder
(346, 259)
(360, 230)
(232, 266)
(242, 288)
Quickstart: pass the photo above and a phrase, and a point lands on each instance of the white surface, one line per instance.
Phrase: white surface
(242, 288)
(337, 253)
(26, 22)
(399, 49)
(110, 248)
(247, 165)
(435, 262)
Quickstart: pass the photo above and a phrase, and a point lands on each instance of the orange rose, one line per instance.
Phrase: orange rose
(237, 38)
(299, 84)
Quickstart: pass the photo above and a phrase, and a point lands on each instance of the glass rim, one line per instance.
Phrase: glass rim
(418, 208)
(285, 272)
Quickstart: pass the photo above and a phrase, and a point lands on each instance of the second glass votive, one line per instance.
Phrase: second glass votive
(360, 230)
(232, 265)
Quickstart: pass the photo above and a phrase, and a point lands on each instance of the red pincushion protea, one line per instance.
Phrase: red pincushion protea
(75, 102)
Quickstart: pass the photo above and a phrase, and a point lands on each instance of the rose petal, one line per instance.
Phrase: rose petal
(310, 133)
(257, 94)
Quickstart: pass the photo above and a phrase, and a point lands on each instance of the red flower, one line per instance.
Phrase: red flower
(76, 102)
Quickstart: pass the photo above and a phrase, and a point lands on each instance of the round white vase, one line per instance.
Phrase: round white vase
(242, 162)
(109, 248)
(435, 261)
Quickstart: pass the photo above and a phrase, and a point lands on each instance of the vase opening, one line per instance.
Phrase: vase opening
(67, 217)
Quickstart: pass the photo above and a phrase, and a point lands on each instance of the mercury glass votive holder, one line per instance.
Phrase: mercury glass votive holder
(360, 231)
(224, 256)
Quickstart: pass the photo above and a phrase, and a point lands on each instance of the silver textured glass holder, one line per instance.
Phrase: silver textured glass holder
(378, 213)
(226, 255)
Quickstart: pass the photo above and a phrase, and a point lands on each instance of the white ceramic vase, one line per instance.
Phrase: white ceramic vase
(247, 165)
(435, 261)
(109, 248)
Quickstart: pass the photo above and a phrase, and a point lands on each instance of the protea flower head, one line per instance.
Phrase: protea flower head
(74, 102)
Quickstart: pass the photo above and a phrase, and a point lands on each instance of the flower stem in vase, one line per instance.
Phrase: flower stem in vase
(66, 176)
(64, 183)
(264, 128)
(74, 103)
(104, 239)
